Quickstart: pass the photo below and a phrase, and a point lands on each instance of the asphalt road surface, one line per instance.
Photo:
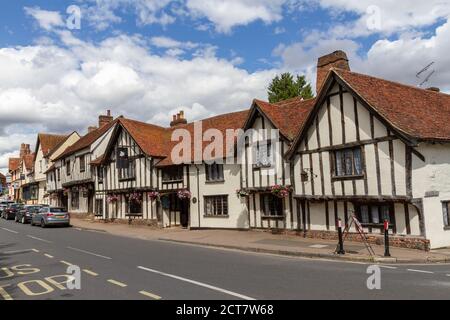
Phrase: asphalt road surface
(34, 264)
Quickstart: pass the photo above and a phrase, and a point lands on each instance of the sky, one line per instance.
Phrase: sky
(64, 62)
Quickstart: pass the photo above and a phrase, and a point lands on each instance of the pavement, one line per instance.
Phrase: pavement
(35, 261)
(265, 242)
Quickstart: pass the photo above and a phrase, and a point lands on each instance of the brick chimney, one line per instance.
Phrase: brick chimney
(24, 149)
(178, 120)
(337, 59)
(105, 119)
(92, 129)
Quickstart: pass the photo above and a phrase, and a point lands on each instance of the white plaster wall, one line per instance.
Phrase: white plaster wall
(238, 214)
(433, 176)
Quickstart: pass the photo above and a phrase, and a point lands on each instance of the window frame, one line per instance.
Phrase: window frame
(100, 174)
(173, 178)
(345, 176)
(225, 206)
(68, 171)
(371, 224)
(131, 171)
(279, 202)
(216, 170)
(77, 202)
(268, 144)
(82, 161)
(446, 214)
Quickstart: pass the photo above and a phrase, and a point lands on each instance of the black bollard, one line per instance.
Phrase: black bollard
(341, 240)
(386, 239)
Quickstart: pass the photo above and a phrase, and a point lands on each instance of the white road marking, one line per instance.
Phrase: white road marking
(150, 295)
(389, 267)
(38, 239)
(117, 283)
(231, 293)
(420, 271)
(91, 253)
(67, 263)
(319, 246)
(35, 250)
(91, 273)
(17, 251)
(8, 230)
(49, 256)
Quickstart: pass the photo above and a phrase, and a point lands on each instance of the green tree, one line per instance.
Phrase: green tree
(285, 87)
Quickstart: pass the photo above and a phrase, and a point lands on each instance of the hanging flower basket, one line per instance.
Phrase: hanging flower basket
(280, 191)
(184, 195)
(154, 196)
(242, 193)
(112, 198)
(135, 197)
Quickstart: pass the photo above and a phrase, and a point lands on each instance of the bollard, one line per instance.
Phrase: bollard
(341, 240)
(386, 239)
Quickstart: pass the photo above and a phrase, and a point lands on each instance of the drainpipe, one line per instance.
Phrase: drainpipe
(198, 193)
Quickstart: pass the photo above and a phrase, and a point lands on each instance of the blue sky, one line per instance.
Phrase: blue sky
(147, 59)
(254, 42)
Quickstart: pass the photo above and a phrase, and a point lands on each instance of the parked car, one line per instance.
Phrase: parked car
(2, 207)
(51, 216)
(24, 215)
(10, 212)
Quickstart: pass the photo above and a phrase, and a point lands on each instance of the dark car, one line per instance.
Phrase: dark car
(10, 212)
(25, 215)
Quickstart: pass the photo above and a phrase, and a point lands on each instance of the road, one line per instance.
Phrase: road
(34, 264)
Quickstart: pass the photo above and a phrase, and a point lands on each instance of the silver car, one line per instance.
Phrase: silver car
(49, 216)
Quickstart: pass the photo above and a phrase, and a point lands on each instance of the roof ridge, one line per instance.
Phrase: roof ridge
(391, 81)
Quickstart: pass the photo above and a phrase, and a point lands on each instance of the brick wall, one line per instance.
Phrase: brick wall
(418, 243)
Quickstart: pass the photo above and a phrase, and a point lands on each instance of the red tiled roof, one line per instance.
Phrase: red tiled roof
(28, 160)
(421, 114)
(14, 164)
(224, 122)
(49, 141)
(151, 139)
(86, 140)
(287, 116)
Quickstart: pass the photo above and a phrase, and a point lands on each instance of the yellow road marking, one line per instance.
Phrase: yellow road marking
(49, 256)
(117, 283)
(5, 295)
(66, 263)
(89, 272)
(150, 295)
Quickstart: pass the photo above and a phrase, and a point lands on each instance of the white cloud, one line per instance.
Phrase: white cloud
(46, 19)
(226, 14)
(102, 14)
(169, 43)
(384, 16)
(398, 59)
(46, 87)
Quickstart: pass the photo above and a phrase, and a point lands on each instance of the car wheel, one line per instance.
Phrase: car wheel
(43, 224)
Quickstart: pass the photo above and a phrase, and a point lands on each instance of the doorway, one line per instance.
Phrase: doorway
(184, 214)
